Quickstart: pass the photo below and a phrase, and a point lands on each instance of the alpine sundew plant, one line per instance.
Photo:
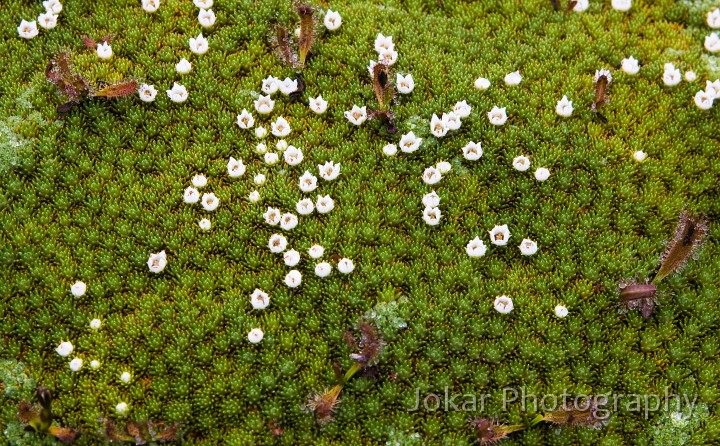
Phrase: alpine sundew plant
(357, 222)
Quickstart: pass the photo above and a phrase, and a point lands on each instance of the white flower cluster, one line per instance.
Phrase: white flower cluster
(66, 348)
(209, 201)
(46, 20)
(291, 257)
(439, 126)
(386, 50)
(499, 236)
(704, 98)
(432, 213)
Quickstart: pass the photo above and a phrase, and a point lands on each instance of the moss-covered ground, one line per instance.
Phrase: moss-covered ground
(89, 195)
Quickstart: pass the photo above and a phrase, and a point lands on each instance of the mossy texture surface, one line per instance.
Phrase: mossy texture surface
(89, 195)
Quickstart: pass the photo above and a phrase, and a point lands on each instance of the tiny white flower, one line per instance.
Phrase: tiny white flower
(76, 364)
(199, 45)
(462, 109)
(318, 105)
(281, 145)
(183, 66)
(345, 265)
(357, 115)
(388, 57)
(639, 156)
(203, 3)
(405, 84)
(308, 182)
(621, 5)
(437, 126)
(443, 167)
(389, 149)
(235, 168)
(270, 85)
(332, 20)
(277, 243)
(259, 299)
(199, 180)
(293, 278)
(672, 75)
(157, 262)
(261, 149)
(323, 269)
(210, 202)
(497, 116)
(178, 93)
(432, 215)
(581, 5)
(704, 100)
(475, 248)
(521, 163)
(499, 235)
(288, 86)
(125, 377)
(316, 251)
(503, 304)
(255, 335)
(293, 156)
(53, 6)
(712, 43)
(451, 121)
(150, 5)
(409, 142)
(431, 175)
(121, 408)
(78, 289)
(384, 43)
(564, 107)
(47, 20)
(95, 324)
(690, 76)
(104, 50)
(305, 206)
(713, 88)
(324, 204)
(206, 17)
(528, 247)
(482, 83)
(271, 158)
(513, 78)
(713, 18)
(561, 311)
(431, 200)
(64, 349)
(280, 127)
(264, 105)
(147, 92)
(272, 216)
(191, 195)
(630, 65)
(291, 257)
(260, 132)
(94, 364)
(254, 196)
(27, 30)
(329, 170)
(542, 174)
(288, 221)
(204, 224)
(472, 151)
